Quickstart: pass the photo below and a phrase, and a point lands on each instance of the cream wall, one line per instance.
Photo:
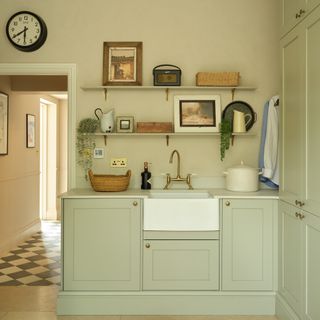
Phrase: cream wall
(19, 172)
(206, 35)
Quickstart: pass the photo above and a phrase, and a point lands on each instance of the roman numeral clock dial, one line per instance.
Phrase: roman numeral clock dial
(26, 31)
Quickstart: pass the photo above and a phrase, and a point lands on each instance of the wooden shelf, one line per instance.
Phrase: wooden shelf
(167, 135)
(165, 88)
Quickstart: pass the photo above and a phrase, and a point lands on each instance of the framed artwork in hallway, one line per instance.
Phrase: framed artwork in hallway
(31, 130)
(4, 108)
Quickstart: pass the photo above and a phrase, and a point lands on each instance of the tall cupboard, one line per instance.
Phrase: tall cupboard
(299, 212)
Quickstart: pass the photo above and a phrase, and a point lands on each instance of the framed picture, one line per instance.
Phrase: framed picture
(98, 153)
(4, 111)
(122, 63)
(31, 130)
(197, 113)
(125, 124)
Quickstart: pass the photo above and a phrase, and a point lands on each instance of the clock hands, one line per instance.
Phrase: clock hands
(23, 31)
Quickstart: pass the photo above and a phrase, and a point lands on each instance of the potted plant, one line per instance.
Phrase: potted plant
(86, 143)
(225, 136)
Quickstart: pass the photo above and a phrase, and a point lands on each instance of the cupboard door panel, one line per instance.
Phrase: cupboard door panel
(101, 242)
(247, 244)
(181, 265)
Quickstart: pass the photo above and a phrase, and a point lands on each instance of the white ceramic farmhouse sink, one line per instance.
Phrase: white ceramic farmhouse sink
(181, 211)
(180, 194)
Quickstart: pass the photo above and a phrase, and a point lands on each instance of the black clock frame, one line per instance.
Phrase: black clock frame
(41, 40)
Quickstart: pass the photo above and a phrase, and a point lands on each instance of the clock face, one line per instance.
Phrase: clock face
(26, 31)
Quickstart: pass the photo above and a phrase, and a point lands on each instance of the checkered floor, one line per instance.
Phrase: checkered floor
(36, 262)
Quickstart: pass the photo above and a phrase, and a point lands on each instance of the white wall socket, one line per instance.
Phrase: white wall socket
(118, 162)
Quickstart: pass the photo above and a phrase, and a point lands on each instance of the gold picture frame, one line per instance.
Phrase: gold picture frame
(122, 63)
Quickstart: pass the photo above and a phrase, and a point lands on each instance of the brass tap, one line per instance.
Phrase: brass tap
(178, 178)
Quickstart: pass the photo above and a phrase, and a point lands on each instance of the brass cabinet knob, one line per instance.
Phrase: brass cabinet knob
(297, 215)
(298, 15)
(301, 204)
(227, 203)
(301, 12)
(135, 203)
(301, 216)
(147, 245)
(296, 202)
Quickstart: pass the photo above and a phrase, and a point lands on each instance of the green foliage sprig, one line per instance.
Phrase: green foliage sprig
(86, 143)
(225, 137)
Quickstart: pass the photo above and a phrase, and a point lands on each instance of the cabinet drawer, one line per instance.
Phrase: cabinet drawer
(181, 265)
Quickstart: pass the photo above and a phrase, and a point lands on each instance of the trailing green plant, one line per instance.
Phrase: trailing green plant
(86, 143)
(225, 137)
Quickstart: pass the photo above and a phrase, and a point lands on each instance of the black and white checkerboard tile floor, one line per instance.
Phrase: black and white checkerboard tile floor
(36, 262)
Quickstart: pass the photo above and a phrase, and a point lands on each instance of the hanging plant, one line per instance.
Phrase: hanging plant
(225, 136)
(86, 143)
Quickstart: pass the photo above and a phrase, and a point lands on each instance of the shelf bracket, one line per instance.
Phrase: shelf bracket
(105, 94)
(105, 137)
(167, 139)
(233, 90)
(167, 94)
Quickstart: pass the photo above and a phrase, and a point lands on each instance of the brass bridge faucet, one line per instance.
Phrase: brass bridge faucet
(178, 178)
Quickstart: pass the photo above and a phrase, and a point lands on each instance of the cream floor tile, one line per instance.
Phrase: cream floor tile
(10, 270)
(30, 316)
(88, 317)
(28, 298)
(37, 270)
(19, 262)
(29, 279)
(198, 318)
(45, 262)
(27, 254)
(2, 314)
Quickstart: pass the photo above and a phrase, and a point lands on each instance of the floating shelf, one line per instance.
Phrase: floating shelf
(166, 88)
(167, 135)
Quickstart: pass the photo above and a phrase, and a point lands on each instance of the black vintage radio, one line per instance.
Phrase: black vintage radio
(166, 75)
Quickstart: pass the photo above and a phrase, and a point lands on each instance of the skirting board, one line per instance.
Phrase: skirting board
(165, 303)
(283, 310)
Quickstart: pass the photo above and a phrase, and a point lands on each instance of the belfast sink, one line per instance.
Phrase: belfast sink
(179, 194)
(185, 210)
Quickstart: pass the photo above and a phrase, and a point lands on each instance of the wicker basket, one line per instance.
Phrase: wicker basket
(222, 79)
(109, 182)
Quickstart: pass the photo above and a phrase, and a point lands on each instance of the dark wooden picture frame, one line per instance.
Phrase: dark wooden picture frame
(4, 123)
(122, 63)
(30, 130)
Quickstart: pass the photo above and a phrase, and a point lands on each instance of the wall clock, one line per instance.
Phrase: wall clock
(26, 31)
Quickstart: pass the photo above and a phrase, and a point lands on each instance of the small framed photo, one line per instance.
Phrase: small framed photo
(30, 130)
(4, 111)
(122, 63)
(98, 153)
(125, 124)
(200, 113)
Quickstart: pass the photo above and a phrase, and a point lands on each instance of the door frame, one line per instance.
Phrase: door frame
(10, 69)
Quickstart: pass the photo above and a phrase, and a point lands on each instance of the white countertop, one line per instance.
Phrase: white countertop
(137, 193)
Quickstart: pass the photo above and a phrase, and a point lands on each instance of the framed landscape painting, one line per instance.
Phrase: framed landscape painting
(122, 63)
(197, 113)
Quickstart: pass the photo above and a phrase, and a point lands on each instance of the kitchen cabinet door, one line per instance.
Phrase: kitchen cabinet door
(181, 265)
(311, 31)
(290, 255)
(101, 244)
(248, 244)
(292, 14)
(311, 258)
(292, 184)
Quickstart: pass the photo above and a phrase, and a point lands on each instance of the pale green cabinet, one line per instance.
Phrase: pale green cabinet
(290, 256)
(249, 244)
(294, 11)
(101, 244)
(181, 265)
(300, 141)
(299, 243)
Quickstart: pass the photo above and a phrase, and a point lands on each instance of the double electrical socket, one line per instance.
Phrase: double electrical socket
(118, 162)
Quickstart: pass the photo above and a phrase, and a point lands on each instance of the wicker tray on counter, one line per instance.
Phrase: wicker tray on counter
(109, 182)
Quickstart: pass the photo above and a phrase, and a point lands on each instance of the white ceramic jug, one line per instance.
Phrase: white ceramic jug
(240, 121)
(106, 120)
